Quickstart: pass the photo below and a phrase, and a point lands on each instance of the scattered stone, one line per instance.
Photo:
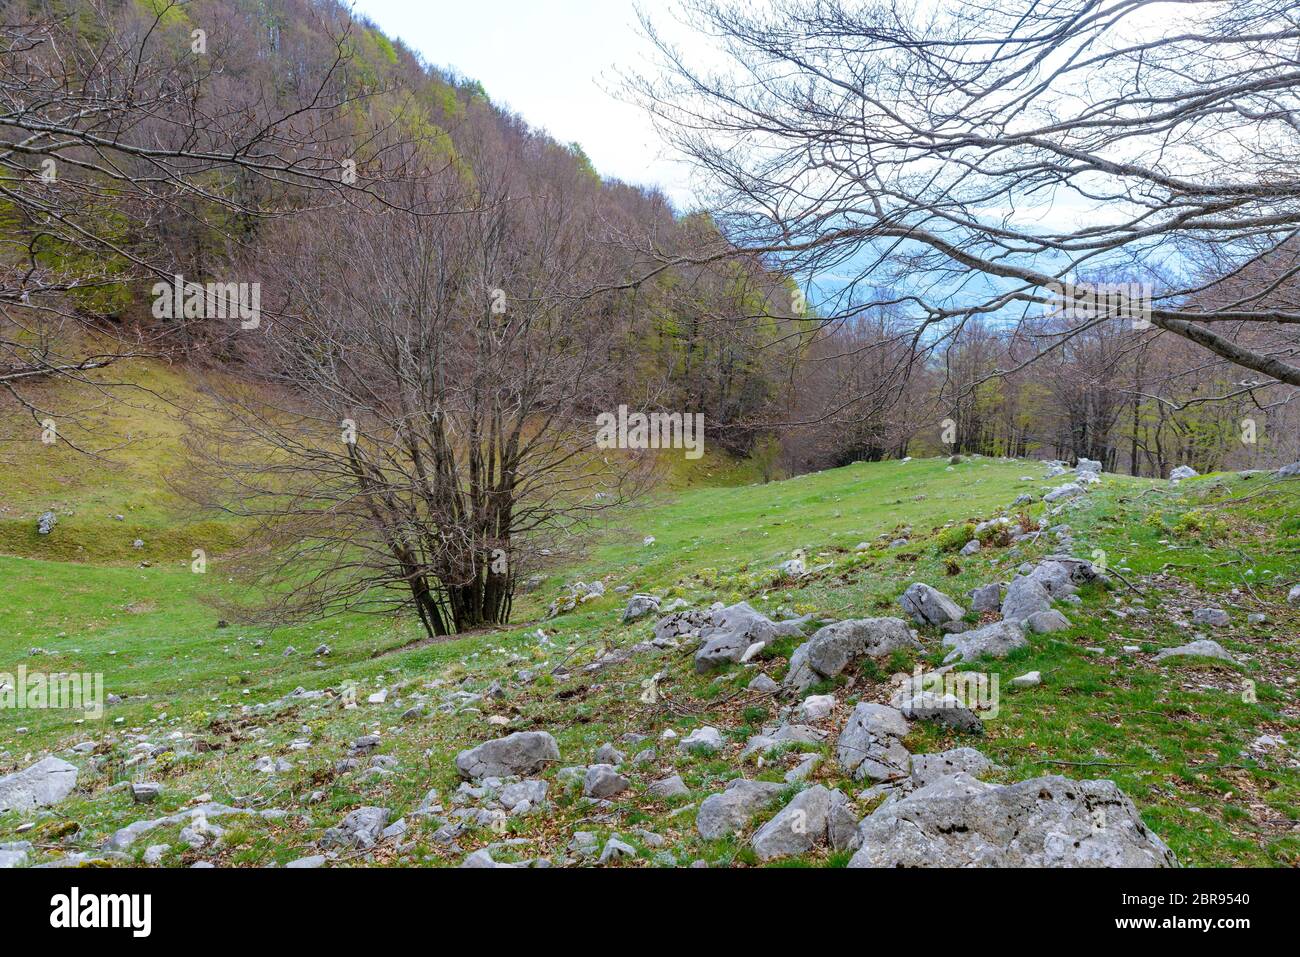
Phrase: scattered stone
(672, 786)
(986, 597)
(1067, 491)
(1204, 648)
(523, 752)
(639, 606)
(794, 568)
(615, 849)
(1182, 472)
(815, 707)
(1213, 617)
(144, 793)
(945, 709)
(704, 740)
(362, 828)
(482, 858)
(1030, 679)
(602, 781)
(155, 853)
(1045, 622)
(804, 769)
(729, 635)
(608, 754)
(312, 862)
(762, 684)
(970, 548)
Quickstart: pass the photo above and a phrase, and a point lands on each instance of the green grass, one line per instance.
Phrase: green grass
(1174, 735)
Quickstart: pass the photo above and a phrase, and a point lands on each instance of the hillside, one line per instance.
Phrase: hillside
(324, 720)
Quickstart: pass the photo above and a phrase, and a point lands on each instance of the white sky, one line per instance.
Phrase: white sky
(550, 61)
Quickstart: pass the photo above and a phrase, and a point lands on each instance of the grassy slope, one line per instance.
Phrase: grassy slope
(1172, 735)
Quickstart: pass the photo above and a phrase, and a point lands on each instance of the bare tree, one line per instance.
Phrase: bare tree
(424, 434)
(983, 157)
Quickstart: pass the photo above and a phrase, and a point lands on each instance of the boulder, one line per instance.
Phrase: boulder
(1025, 596)
(928, 768)
(762, 684)
(523, 752)
(802, 824)
(944, 709)
(729, 634)
(704, 740)
(672, 786)
(996, 641)
(1088, 465)
(1030, 679)
(870, 746)
(1182, 472)
(1052, 821)
(639, 606)
(602, 782)
(361, 828)
(986, 597)
(1045, 622)
(830, 650)
(1213, 617)
(728, 812)
(1204, 648)
(929, 606)
(1067, 491)
(44, 784)
(1289, 471)
(1293, 596)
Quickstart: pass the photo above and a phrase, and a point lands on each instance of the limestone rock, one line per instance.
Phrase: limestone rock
(728, 812)
(996, 641)
(523, 752)
(44, 784)
(869, 747)
(1044, 822)
(929, 606)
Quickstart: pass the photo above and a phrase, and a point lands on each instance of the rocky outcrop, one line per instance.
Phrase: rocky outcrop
(958, 821)
(44, 784)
